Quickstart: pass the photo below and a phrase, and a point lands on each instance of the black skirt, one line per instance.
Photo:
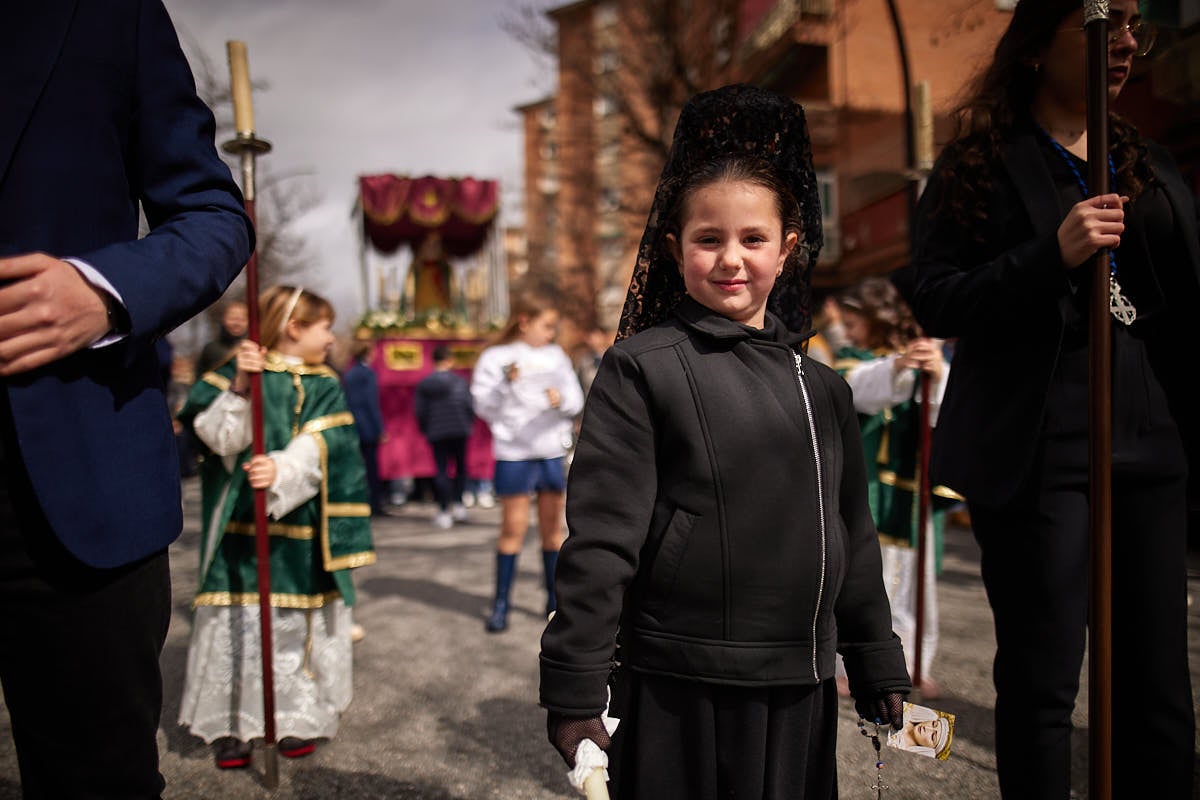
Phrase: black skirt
(699, 741)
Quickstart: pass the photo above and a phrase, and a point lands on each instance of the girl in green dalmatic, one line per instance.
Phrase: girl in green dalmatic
(319, 529)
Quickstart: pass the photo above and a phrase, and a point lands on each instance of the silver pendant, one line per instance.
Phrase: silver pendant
(1118, 304)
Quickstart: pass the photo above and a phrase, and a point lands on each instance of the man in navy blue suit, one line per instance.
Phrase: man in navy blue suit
(98, 115)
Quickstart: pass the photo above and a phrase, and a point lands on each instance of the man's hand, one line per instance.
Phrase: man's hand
(47, 312)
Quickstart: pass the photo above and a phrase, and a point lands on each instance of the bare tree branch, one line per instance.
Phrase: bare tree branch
(637, 62)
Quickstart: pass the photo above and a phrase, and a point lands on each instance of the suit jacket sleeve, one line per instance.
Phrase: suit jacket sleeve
(200, 236)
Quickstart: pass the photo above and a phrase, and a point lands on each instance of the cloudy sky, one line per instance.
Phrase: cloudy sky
(369, 86)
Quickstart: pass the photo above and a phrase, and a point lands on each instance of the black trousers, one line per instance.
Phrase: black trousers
(79, 650)
(449, 490)
(1035, 567)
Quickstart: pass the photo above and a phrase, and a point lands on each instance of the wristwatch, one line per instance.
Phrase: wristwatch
(118, 317)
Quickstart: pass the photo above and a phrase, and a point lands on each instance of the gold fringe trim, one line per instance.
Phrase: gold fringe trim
(948, 493)
(277, 363)
(325, 423)
(298, 385)
(298, 601)
(303, 532)
(894, 541)
(889, 478)
(348, 509)
(351, 560)
(219, 381)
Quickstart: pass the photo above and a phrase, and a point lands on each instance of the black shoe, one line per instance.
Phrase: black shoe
(232, 753)
(498, 620)
(293, 747)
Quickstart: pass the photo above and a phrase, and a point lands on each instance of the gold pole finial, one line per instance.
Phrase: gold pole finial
(1094, 10)
(239, 84)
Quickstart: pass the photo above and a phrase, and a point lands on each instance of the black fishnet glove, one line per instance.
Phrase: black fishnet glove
(566, 733)
(886, 709)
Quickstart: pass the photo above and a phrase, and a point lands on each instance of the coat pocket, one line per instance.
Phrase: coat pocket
(664, 570)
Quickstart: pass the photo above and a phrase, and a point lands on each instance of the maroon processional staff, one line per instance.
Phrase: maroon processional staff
(918, 125)
(248, 147)
(923, 509)
(1095, 23)
(921, 162)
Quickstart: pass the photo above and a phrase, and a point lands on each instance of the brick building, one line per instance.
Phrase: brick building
(594, 149)
(840, 59)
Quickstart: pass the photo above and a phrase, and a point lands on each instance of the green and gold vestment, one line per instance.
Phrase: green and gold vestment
(890, 443)
(312, 547)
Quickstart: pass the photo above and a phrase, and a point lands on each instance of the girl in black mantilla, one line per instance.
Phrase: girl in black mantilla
(1002, 231)
(717, 502)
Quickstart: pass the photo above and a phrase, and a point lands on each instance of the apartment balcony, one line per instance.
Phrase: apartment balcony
(781, 21)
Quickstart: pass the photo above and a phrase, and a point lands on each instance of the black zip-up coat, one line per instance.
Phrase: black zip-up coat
(701, 526)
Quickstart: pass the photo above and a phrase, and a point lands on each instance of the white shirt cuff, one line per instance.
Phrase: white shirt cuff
(93, 276)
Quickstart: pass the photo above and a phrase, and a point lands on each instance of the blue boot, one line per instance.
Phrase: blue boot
(549, 561)
(506, 565)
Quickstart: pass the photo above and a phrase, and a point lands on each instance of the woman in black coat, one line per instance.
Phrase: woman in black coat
(1002, 232)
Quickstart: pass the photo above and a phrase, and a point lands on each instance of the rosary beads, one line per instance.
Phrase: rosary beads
(879, 785)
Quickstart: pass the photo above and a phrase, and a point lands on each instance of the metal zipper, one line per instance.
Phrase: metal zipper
(812, 431)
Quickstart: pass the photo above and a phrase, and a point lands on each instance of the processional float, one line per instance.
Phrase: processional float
(445, 224)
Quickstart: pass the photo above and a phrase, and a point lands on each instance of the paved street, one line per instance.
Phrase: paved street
(444, 711)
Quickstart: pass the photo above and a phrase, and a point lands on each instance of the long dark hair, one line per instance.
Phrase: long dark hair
(998, 101)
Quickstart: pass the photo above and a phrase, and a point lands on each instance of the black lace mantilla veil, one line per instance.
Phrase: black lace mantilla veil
(731, 120)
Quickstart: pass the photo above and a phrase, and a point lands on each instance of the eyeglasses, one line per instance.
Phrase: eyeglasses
(1143, 34)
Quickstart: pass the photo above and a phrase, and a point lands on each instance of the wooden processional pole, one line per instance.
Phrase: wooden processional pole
(248, 146)
(1100, 646)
